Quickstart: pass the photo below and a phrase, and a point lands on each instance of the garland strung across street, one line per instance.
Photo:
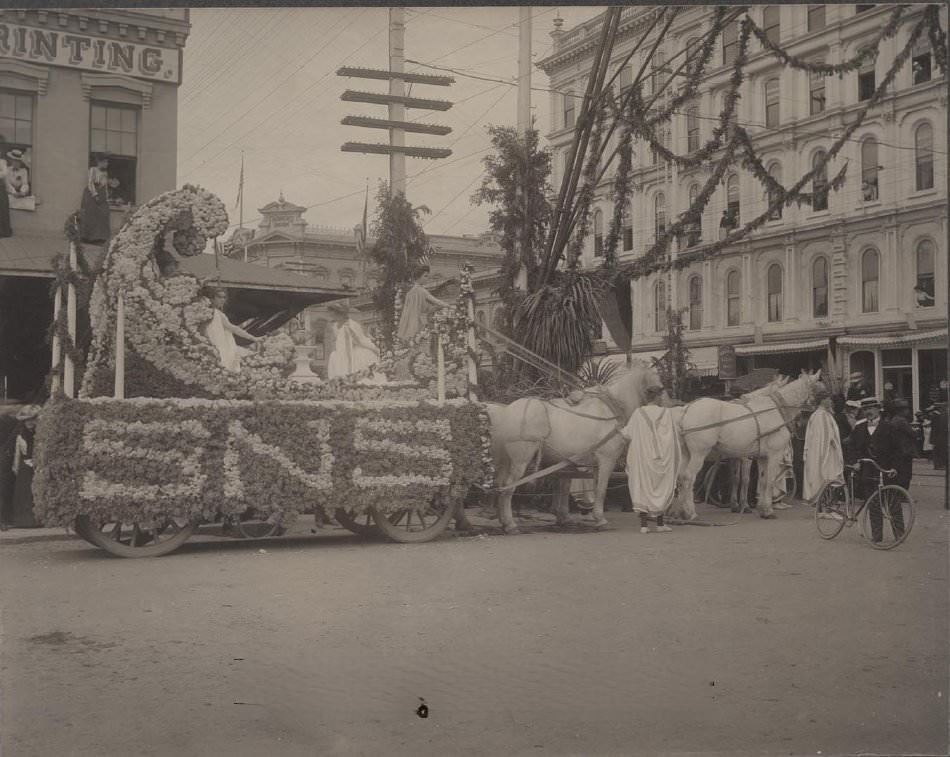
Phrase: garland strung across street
(739, 146)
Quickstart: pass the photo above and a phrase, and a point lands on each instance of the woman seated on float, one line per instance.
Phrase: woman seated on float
(221, 332)
(352, 351)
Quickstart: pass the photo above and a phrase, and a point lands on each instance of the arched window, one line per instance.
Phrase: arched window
(692, 55)
(924, 157)
(816, 90)
(694, 230)
(772, 115)
(771, 23)
(730, 42)
(921, 65)
(775, 171)
(598, 233)
(480, 317)
(870, 263)
(774, 288)
(732, 198)
(866, 81)
(696, 303)
(869, 169)
(926, 254)
(659, 305)
(819, 288)
(692, 128)
(657, 62)
(569, 109)
(733, 303)
(819, 183)
(659, 213)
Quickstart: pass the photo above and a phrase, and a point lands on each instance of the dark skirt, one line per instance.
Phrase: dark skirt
(5, 228)
(94, 216)
(23, 498)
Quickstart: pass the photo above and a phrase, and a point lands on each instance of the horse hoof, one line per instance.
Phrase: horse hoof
(512, 530)
(602, 523)
(768, 516)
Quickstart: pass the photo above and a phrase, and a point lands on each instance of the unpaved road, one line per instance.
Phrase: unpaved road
(758, 639)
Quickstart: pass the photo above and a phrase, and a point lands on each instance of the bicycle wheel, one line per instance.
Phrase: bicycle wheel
(717, 477)
(896, 512)
(831, 510)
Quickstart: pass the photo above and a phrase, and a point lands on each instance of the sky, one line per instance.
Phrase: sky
(263, 81)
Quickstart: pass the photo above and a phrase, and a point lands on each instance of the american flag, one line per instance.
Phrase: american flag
(361, 231)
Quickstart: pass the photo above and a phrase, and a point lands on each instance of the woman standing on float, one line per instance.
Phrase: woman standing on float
(352, 350)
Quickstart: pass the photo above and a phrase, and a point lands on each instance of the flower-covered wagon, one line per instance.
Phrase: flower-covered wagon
(162, 437)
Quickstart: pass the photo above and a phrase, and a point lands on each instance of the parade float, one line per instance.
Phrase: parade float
(162, 437)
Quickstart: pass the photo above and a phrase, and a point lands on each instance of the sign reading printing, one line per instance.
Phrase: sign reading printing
(89, 53)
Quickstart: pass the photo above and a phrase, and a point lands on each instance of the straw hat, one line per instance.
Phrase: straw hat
(870, 402)
(16, 154)
(856, 376)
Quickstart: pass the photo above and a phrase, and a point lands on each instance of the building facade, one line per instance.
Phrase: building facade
(283, 239)
(861, 278)
(75, 83)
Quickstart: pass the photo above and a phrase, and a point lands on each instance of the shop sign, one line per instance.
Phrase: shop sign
(89, 53)
(727, 362)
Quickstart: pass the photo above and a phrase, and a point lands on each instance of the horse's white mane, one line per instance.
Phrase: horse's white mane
(777, 383)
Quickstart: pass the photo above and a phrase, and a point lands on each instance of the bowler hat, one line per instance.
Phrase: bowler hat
(28, 412)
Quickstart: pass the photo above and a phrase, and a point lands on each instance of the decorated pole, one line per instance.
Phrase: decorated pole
(69, 372)
(440, 365)
(120, 349)
(468, 292)
(57, 349)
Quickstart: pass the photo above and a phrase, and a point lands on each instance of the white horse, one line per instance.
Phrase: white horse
(551, 431)
(756, 427)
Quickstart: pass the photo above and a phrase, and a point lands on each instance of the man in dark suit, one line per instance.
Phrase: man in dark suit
(878, 440)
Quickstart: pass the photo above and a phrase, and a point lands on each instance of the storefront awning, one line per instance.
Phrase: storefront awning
(811, 345)
(886, 341)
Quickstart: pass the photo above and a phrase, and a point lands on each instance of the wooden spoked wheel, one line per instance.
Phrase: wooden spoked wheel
(363, 524)
(413, 525)
(129, 540)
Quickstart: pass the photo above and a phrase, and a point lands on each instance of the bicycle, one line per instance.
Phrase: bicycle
(836, 507)
(717, 483)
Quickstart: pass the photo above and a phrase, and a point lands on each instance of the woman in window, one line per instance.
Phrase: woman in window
(94, 222)
(5, 229)
(18, 175)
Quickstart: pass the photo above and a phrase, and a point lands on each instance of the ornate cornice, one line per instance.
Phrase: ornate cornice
(138, 87)
(38, 74)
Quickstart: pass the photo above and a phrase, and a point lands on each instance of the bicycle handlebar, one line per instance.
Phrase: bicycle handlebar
(889, 472)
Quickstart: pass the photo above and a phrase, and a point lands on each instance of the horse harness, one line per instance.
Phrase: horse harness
(784, 409)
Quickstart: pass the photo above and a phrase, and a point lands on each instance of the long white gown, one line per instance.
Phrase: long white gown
(353, 351)
(824, 458)
(221, 337)
(653, 458)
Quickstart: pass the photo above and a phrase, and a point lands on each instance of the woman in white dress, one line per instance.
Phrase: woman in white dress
(351, 349)
(221, 332)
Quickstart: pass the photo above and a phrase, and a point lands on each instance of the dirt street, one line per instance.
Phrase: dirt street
(754, 639)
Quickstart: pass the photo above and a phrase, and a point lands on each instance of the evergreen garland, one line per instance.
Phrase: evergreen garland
(938, 38)
(654, 260)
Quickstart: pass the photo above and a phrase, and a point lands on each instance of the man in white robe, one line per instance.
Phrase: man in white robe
(824, 458)
(653, 460)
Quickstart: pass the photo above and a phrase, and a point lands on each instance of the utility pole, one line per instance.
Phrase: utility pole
(524, 69)
(397, 102)
(397, 89)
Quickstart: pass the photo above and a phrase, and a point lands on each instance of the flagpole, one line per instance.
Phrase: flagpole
(241, 203)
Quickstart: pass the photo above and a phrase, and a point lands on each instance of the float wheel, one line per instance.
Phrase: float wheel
(362, 525)
(128, 540)
(413, 525)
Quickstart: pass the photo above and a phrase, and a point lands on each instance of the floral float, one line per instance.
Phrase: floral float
(194, 441)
